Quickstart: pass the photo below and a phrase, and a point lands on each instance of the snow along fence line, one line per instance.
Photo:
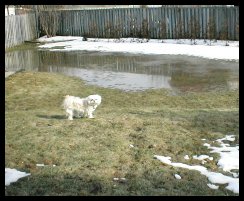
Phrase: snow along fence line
(154, 23)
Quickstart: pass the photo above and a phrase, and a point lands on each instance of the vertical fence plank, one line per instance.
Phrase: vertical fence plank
(157, 20)
(99, 23)
(160, 19)
(184, 22)
(106, 24)
(150, 23)
(197, 26)
(158, 14)
(174, 34)
(200, 23)
(72, 27)
(68, 23)
(82, 22)
(211, 20)
(232, 22)
(76, 27)
(228, 23)
(120, 28)
(137, 22)
(96, 22)
(204, 20)
(186, 35)
(92, 24)
(133, 23)
(122, 23)
(207, 22)
(65, 23)
(217, 23)
(70, 14)
(144, 17)
(169, 23)
(237, 24)
(116, 23)
(166, 23)
(106, 30)
(178, 23)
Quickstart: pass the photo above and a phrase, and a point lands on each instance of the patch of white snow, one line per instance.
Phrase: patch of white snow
(13, 175)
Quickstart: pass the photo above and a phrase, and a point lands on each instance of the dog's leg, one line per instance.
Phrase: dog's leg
(81, 113)
(70, 114)
(91, 116)
(85, 113)
(89, 113)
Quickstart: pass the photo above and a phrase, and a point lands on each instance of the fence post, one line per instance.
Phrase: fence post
(37, 21)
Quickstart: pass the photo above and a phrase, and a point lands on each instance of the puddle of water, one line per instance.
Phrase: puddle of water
(131, 72)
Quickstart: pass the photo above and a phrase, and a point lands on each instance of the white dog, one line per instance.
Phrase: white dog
(81, 107)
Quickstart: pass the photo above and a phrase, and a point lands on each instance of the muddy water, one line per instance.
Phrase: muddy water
(131, 72)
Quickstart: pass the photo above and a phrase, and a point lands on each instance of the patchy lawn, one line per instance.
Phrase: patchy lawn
(90, 153)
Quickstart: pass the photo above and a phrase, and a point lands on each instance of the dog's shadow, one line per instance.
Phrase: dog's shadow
(52, 116)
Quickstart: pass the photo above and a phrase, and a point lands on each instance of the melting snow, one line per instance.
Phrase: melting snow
(229, 159)
(13, 175)
(202, 157)
(217, 49)
(177, 176)
(213, 186)
(40, 165)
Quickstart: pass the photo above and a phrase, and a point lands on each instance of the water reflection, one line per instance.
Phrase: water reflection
(131, 72)
(22, 59)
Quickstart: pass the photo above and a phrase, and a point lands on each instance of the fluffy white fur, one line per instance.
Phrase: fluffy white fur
(81, 107)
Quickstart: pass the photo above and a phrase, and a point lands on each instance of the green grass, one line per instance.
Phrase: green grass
(89, 153)
(23, 46)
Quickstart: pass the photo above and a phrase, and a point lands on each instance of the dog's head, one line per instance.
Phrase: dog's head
(94, 100)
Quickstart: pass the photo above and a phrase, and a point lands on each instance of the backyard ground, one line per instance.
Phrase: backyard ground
(90, 156)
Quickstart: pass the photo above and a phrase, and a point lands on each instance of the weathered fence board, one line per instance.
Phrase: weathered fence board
(19, 28)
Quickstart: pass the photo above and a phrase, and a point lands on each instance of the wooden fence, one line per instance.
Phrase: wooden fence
(19, 28)
(160, 23)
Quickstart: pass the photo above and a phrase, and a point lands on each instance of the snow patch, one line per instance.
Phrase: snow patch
(229, 159)
(217, 49)
(177, 176)
(213, 186)
(13, 175)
